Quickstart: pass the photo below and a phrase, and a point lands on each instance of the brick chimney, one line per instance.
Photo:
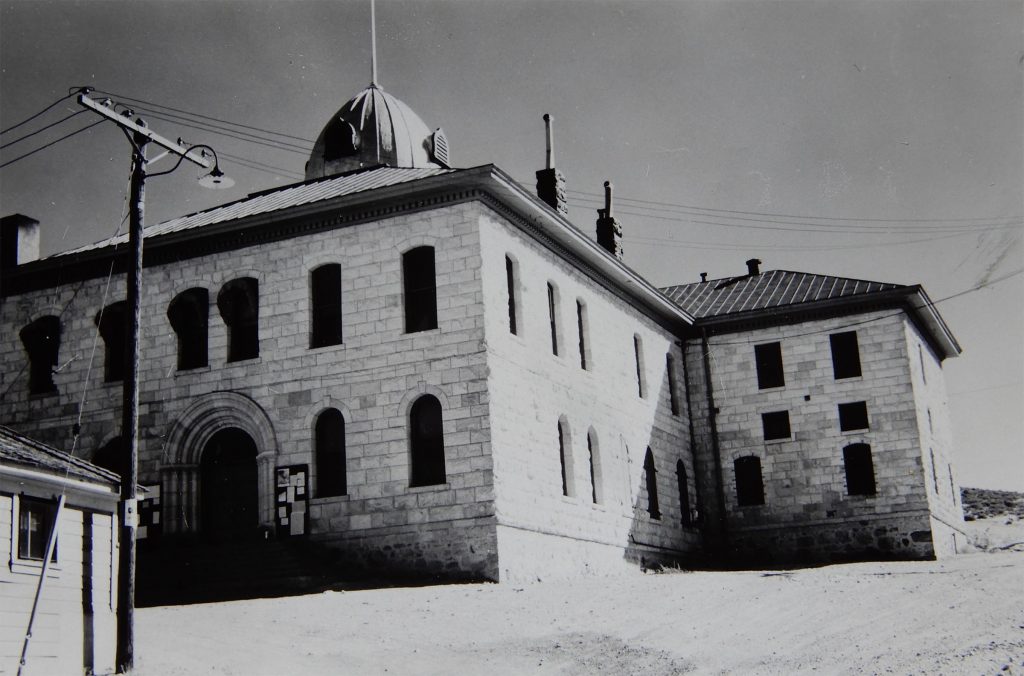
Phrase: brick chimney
(609, 232)
(550, 181)
(19, 240)
(752, 268)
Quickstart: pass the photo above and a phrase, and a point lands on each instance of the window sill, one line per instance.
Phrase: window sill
(326, 500)
(432, 487)
(773, 388)
(856, 432)
(780, 440)
(192, 371)
(33, 567)
(850, 379)
(242, 362)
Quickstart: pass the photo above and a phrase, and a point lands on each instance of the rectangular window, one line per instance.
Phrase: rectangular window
(768, 358)
(670, 369)
(325, 282)
(749, 482)
(35, 523)
(553, 318)
(638, 355)
(581, 317)
(845, 355)
(853, 416)
(510, 280)
(776, 425)
(860, 471)
(420, 289)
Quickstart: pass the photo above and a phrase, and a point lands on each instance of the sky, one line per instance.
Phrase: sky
(865, 139)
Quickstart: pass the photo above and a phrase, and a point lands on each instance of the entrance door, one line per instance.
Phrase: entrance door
(230, 496)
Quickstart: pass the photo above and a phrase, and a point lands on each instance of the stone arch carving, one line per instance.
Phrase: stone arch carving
(188, 437)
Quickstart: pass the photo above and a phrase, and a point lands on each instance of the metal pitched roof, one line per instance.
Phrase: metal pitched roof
(17, 449)
(283, 198)
(772, 289)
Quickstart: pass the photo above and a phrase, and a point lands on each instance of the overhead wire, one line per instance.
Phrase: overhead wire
(41, 112)
(40, 131)
(52, 143)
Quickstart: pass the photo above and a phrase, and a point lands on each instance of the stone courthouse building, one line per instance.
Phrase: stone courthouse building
(431, 370)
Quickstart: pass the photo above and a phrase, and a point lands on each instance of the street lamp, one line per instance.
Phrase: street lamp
(140, 136)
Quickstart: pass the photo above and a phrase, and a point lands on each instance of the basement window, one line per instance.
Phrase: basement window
(860, 471)
(111, 323)
(325, 301)
(845, 355)
(776, 425)
(420, 289)
(329, 458)
(427, 442)
(651, 480)
(768, 358)
(41, 340)
(189, 314)
(853, 416)
(749, 482)
(238, 302)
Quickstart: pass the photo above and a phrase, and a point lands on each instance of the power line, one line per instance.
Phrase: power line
(779, 215)
(209, 125)
(62, 138)
(294, 149)
(39, 131)
(32, 117)
(675, 243)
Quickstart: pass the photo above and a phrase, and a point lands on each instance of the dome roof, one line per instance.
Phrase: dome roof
(375, 128)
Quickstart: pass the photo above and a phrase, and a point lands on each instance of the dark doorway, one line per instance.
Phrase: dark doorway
(230, 498)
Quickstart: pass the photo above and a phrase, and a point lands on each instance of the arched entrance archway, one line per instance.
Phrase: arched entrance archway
(228, 485)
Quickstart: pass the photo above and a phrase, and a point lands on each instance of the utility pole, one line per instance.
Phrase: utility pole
(140, 137)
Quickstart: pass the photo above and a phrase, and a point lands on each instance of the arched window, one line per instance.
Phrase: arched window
(596, 481)
(111, 323)
(340, 140)
(511, 281)
(749, 483)
(860, 471)
(111, 456)
(41, 339)
(553, 317)
(420, 289)
(325, 301)
(189, 314)
(651, 479)
(684, 493)
(426, 439)
(239, 305)
(329, 454)
(565, 458)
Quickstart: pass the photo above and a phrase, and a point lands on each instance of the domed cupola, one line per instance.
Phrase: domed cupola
(376, 128)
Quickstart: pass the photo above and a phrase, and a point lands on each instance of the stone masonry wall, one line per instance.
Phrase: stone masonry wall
(807, 512)
(541, 532)
(373, 379)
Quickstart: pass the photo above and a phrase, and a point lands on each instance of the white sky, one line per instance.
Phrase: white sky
(867, 111)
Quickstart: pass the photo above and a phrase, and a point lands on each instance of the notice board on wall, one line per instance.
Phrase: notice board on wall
(292, 500)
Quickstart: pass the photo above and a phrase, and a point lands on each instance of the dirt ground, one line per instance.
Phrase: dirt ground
(961, 615)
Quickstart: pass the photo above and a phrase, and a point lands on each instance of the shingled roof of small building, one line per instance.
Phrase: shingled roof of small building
(771, 289)
(18, 450)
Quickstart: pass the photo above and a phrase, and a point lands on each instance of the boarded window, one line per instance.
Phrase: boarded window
(853, 416)
(329, 458)
(651, 480)
(553, 317)
(845, 355)
(510, 281)
(581, 327)
(41, 340)
(673, 396)
(420, 289)
(325, 304)
(426, 439)
(638, 357)
(596, 491)
(776, 425)
(111, 323)
(860, 471)
(684, 493)
(189, 314)
(768, 358)
(565, 458)
(749, 482)
(238, 302)
(35, 524)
